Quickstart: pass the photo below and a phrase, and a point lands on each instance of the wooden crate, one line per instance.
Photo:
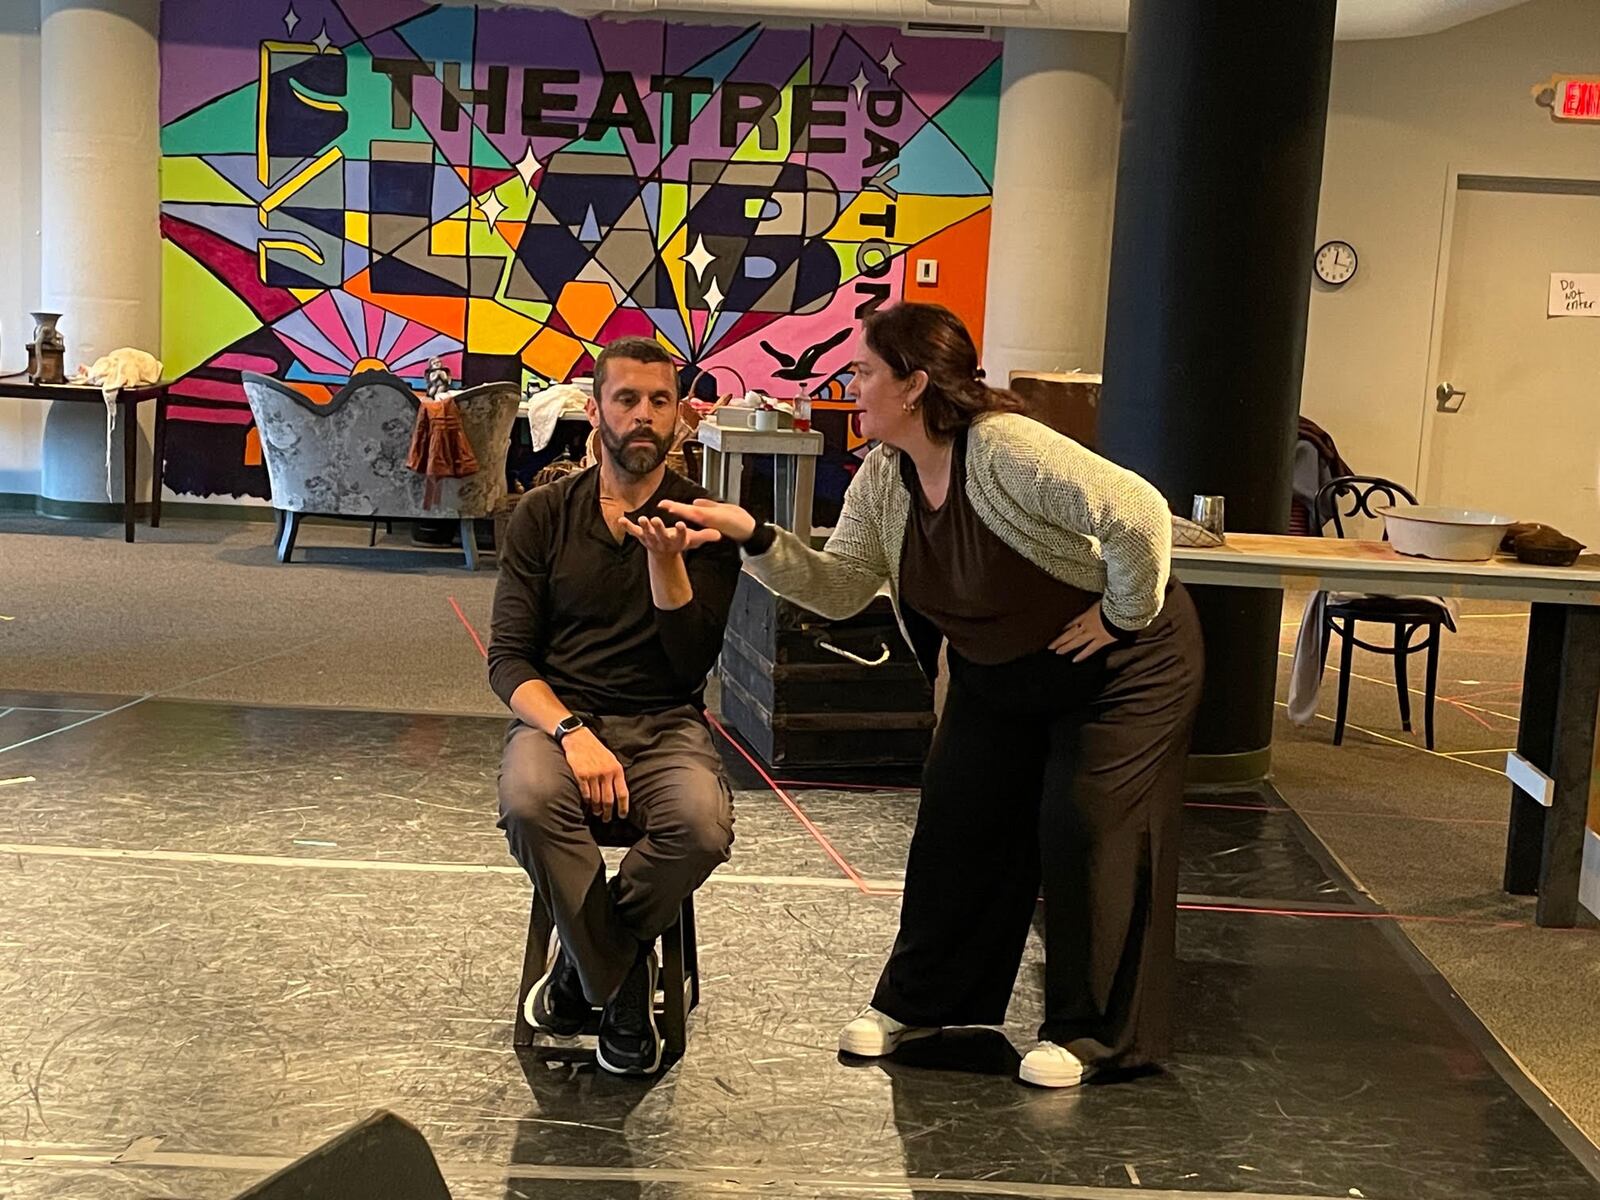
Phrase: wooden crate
(800, 703)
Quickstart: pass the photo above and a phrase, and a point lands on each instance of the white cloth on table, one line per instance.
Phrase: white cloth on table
(544, 409)
(124, 367)
(1305, 671)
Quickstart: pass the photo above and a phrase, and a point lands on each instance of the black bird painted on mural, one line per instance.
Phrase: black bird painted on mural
(805, 367)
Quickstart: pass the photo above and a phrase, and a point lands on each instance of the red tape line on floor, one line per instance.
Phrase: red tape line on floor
(821, 838)
(462, 617)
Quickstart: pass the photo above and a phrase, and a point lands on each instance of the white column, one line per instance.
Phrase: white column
(1055, 174)
(21, 421)
(100, 254)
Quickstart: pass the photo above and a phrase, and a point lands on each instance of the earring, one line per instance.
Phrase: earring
(909, 407)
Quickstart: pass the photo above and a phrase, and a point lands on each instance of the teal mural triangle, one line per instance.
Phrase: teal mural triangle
(485, 153)
(932, 165)
(443, 34)
(610, 143)
(225, 126)
(369, 101)
(972, 120)
(717, 66)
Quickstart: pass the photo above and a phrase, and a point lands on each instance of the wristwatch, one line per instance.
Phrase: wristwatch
(568, 724)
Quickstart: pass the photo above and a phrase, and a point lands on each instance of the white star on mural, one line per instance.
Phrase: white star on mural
(860, 84)
(700, 259)
(290, 20)
(491, 208)
(322, 41)
(529, 166)
(890, 63)
(714, 296)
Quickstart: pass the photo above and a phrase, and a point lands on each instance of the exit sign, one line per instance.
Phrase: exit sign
(1579, 100)
(1570, 98)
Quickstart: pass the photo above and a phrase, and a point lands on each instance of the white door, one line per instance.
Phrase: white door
(1525, 439)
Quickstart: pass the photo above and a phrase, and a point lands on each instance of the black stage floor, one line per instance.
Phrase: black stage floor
(231, 932)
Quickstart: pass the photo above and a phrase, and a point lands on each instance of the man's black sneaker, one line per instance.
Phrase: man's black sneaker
(629, 1041)
(557, 1003)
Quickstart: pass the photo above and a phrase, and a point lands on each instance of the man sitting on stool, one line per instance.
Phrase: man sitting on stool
(606, 624)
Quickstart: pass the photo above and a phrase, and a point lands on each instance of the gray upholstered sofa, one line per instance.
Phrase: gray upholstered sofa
(348, 457)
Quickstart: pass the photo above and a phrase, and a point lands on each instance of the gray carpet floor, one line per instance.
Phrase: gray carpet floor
(200, 610)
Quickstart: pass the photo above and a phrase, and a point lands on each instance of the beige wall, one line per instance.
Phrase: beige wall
(21, 421)
(1403, 113)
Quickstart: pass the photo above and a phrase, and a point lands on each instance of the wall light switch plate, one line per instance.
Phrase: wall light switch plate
(927, 270)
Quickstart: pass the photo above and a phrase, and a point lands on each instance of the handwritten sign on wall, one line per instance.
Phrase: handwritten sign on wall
(1574, 295)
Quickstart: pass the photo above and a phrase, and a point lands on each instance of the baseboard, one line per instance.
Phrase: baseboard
(177, 510)
(1228, 770)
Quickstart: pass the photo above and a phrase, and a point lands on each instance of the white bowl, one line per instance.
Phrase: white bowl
(1454, 534)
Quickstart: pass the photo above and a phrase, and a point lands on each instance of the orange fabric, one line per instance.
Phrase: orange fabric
(439, 446)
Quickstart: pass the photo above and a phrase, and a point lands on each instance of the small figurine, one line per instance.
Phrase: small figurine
(438, 377)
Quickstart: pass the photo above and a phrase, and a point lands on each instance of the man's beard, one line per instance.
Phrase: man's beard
(637, 454)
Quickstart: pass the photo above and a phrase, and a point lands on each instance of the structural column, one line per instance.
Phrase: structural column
(100, 255)
(1055, 168)
(1224, 112)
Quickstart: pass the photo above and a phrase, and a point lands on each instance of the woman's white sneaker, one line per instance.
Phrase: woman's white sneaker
(1052, 1066)
(874, 1034)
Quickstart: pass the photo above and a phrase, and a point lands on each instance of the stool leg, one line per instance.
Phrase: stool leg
(674, 1017)
(533, 965)
(691, 951)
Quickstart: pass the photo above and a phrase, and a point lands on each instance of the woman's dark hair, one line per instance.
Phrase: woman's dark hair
(931, 338)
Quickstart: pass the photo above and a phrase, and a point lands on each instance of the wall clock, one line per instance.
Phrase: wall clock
(1336, 262)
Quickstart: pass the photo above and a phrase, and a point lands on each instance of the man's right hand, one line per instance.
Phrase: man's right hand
(598, 772)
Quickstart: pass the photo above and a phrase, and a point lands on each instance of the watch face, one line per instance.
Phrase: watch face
(1336, 262)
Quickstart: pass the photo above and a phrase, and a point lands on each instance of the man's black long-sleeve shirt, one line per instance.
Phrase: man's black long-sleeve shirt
(573, 606)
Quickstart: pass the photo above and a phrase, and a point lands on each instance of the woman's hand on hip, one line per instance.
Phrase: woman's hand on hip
(1087, 635)
(729, 520)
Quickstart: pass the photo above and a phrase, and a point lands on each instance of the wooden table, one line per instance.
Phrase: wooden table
(1553, 846)
(128, 400)
(794, 454)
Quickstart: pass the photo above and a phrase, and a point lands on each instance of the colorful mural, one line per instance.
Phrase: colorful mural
(359, 183)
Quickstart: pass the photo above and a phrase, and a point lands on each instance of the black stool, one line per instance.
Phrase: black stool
(680, 962)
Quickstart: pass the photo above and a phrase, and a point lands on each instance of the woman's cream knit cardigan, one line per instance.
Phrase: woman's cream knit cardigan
(1077, 516)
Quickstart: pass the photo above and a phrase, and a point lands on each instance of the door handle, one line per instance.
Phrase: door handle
(1446, 393)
